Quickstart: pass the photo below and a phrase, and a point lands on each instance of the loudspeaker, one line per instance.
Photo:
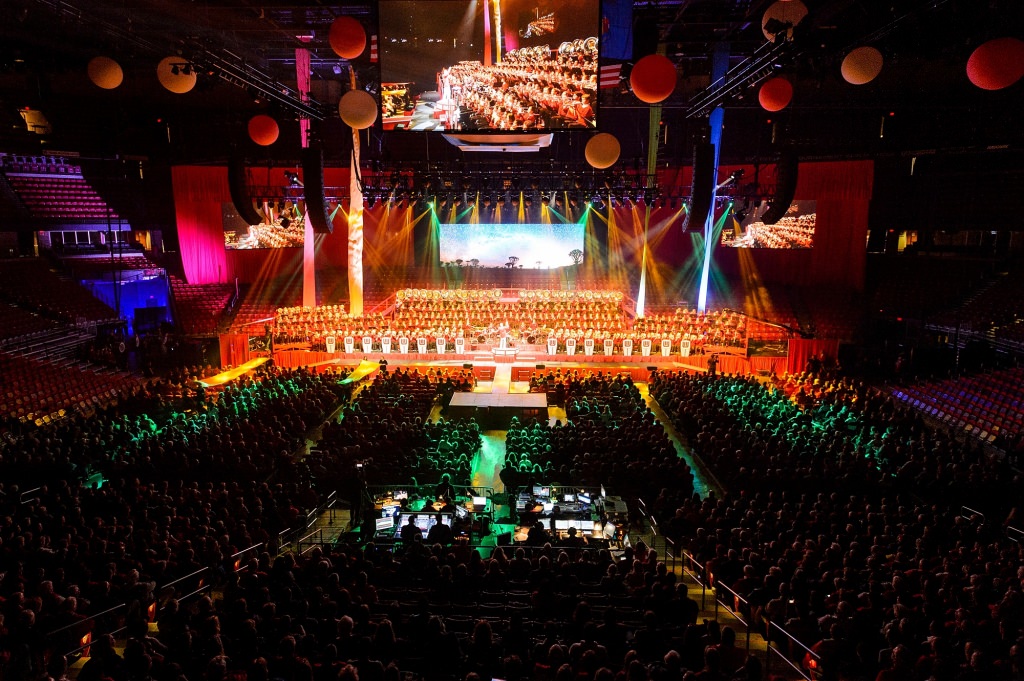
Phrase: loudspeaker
(785, 187)
(504, 538)
(467, 366)
(702, 188)
(313, 183)
(240, 193)
(540, 366)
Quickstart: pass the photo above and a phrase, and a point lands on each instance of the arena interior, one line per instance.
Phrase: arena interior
(566, 340)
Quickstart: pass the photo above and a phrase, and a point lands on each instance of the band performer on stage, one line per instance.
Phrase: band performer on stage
(503, 328)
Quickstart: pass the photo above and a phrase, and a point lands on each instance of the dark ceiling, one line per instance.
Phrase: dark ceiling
(921, 101)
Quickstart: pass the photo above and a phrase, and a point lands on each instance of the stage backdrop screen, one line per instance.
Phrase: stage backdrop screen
(285, 230)
(795, 230)
(531, 65)
(537, 246)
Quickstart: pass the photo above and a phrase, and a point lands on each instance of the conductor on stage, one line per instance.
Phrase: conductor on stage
(503, 328)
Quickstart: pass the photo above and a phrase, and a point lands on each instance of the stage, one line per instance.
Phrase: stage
(494, 410)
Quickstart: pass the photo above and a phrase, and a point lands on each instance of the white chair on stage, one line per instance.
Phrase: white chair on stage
(570, 346)
(460, 346)
(403, 345)
(385, 344)
(332, 343)
(441, 344)
(684, 348)
(666, 347)
(588, 347)
(421, 345)
(627, 346)
(367, 344)
(609, 347)
(350, 344)
(645, 347)
(552, 346)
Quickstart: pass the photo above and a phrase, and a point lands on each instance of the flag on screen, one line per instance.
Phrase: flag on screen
(373, 49)
(610, 74)
(617, 29)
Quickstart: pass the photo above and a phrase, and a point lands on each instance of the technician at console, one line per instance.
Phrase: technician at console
(439, 533)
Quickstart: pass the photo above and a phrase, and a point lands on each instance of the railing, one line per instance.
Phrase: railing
(814, 659)
(83, 630)
(238, 558)
(295, 535)
(967, 513)
(739, 608)
(1015, 534)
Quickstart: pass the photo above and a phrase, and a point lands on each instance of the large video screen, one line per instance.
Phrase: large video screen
(535, 246)
(475, 65)
(284, 229)
(794, 230)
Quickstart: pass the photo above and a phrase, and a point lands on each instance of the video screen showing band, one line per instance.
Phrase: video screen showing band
(533, 246)
(478, 65)
(794, 230)
(283, 227)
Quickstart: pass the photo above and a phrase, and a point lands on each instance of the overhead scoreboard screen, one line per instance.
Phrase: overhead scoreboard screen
(795, 230)
(500, 65)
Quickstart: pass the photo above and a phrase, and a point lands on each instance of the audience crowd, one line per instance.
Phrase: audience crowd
(854, 525)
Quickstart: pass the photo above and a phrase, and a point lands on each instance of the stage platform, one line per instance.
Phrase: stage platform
(494, 410)
(512, 400)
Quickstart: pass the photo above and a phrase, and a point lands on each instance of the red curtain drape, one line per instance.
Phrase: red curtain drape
(234, 349)
(801, 350)
(201, 241)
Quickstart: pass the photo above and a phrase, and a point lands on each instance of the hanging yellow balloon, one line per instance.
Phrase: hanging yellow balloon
(105, 73)
(602, 150)
(176, 74)
(862, 65)
(358, 109)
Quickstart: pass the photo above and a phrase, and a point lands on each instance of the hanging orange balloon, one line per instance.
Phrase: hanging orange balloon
(176, 74)
(358, 109)
(862, 65)
(104, 72)
(263, 130)
(997, 64)
(602, 150)
(347, 37)
(775, 94)
(653, 78)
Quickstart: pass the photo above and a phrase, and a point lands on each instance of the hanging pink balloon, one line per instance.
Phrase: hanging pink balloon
(997, 64)
(775, 94)
(347, 37)
(263, 130)
(653, 78)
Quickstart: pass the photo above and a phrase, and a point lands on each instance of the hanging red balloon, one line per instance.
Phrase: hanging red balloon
(347, 37)
(997, 64)
(653, 78)
(775, 94)
(263, 130)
